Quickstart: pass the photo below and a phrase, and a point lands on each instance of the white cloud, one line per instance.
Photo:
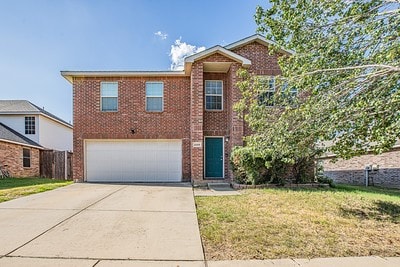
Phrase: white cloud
(161, 34)
(180, 50)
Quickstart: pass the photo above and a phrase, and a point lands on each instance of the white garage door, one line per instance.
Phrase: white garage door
(134, 161)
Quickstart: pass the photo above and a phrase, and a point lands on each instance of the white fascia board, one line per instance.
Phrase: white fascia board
(21, 144)
(69, 75)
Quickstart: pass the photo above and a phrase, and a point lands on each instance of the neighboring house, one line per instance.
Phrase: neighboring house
(164, 126)
(18, 153)
(37, 124)
(381, 170)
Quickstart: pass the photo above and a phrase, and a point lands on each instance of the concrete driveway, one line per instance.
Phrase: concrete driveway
(102, 224)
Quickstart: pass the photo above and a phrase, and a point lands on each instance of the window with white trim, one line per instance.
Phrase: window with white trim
(266, 96)
(30, 127)
(214, 95)
(154, 96)
(26, 157)
(109, 96)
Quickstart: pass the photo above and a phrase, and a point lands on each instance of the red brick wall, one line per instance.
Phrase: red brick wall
(91, 123)
(196, 121)
(262, 63)
(352, 171)
(11, 155)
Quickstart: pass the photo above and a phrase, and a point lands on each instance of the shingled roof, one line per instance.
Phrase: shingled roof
(9, 135)
(28, 108)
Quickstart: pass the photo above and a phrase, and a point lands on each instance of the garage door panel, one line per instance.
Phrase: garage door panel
(134, 161)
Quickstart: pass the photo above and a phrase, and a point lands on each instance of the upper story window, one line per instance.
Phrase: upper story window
(154, 96)
(30, 127)
(268, 88)
(214, 95)
(109, 96)
(26, 157)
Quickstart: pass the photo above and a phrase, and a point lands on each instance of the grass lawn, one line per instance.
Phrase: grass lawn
(301, 223)
(11, 188)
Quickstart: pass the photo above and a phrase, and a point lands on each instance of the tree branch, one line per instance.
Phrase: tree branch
(382, 66)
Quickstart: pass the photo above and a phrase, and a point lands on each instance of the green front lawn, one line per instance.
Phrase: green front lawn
(301, 223)
(11, 188)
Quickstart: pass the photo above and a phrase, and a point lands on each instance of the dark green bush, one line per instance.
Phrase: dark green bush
(250, 167)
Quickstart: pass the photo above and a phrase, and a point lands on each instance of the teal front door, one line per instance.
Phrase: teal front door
(214, 157)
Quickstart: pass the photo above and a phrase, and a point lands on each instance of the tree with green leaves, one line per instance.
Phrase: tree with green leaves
(346, 69)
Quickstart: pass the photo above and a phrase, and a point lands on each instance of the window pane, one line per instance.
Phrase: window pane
(109, 89)
(154, 89)
(109, 103)
(214, 102)
(154, 103)
(208, 102)
(26, 152)
(27, 162)
(213, 87)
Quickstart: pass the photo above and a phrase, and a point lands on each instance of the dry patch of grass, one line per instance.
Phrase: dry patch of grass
(11, 188)
(302, 223)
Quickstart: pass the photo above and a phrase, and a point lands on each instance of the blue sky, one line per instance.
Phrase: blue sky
(40, 38)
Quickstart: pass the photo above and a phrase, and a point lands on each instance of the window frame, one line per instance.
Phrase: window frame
(221, 95)
(26, 158)
(162, 96)
(101, 97)
(30, 125)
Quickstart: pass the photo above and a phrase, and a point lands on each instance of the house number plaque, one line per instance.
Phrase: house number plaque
(196, 144)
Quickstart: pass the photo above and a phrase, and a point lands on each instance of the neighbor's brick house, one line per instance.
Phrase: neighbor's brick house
(19, 154)
(384, 168)
(164, 125)
(25, 130)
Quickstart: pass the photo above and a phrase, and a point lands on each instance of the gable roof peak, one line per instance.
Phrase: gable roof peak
(210, 51)
(255, 38)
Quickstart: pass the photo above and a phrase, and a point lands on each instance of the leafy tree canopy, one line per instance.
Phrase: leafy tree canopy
(346, 70)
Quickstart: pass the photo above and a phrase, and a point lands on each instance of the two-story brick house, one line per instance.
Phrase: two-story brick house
(164, 126)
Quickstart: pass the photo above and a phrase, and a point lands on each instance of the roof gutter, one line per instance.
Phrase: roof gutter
(21, 144)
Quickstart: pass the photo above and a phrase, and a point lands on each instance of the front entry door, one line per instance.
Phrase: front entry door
(214, 157)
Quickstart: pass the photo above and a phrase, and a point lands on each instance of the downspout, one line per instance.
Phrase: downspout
(367, 169)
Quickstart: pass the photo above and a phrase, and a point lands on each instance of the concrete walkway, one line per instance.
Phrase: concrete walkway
(121, 225)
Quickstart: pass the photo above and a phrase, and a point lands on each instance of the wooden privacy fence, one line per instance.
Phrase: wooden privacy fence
(56, 164)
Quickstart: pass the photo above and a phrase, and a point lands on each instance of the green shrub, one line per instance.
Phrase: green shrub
(247, 167)
(251, 167)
